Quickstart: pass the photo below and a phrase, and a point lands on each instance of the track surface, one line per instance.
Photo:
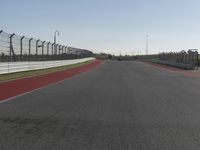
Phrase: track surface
(116, 106)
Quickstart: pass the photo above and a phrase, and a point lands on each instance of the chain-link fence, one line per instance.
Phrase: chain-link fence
(190, 57)
(20, 48)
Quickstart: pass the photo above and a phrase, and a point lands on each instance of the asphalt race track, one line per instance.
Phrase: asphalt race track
(116, 106)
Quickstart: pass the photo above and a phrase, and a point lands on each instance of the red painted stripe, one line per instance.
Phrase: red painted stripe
(16, 87)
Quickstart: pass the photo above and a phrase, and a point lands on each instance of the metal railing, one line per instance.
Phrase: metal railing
(20, 48)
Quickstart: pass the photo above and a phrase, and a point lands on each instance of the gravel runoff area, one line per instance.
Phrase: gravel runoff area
(116, 106)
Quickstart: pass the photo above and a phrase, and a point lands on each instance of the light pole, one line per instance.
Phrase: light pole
(56, 33)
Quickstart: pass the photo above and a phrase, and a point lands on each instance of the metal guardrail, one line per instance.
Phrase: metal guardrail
(20, 48)
(11, 67)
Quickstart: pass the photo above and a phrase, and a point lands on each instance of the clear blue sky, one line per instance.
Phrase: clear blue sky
(107, 25)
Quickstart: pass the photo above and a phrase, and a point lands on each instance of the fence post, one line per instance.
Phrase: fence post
(2, 53)
(52, 50)
(48, 48)
(21, 47)
(197, 60)
(11, 48)
(43, 49)
(29, 51)
(177, 57)
(189, 57)
(37, 48)
(3, 57)
(55, 49)
(182, 57)
(59, 49)
(63, 49)
(193, 60)
(68, 50)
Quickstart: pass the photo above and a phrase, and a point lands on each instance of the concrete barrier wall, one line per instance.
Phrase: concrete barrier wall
(11, 67)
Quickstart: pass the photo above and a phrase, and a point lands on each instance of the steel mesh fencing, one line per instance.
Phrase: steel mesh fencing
(20, 48)
(190, 57)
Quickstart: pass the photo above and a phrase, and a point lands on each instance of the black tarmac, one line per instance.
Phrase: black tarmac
(116, 106)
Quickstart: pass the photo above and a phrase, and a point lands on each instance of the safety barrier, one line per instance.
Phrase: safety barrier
(183, 59)
(11, 67)
(14, 48)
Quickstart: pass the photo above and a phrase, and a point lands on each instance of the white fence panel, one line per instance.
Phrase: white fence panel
(11, 67)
